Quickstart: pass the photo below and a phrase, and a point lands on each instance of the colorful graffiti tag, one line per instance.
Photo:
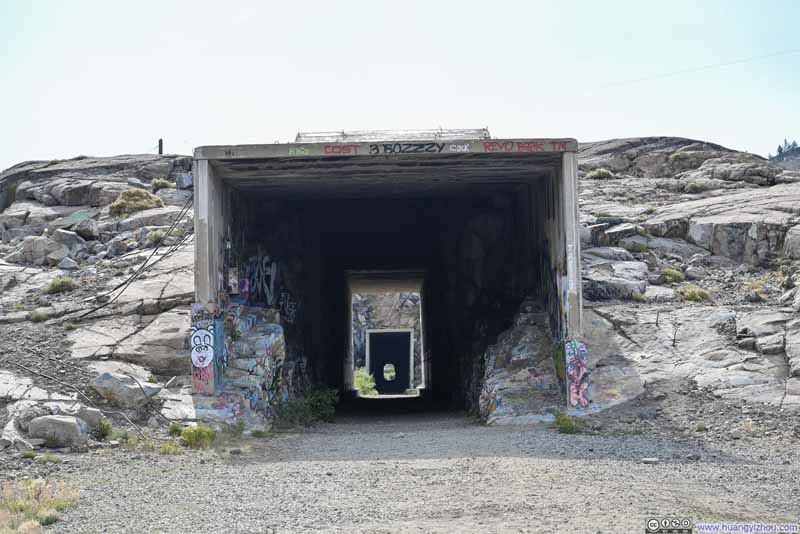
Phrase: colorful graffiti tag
(577, 373)
(202, 350)
(260, 277)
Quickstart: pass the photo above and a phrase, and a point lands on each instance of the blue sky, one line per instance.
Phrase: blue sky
(101, 78)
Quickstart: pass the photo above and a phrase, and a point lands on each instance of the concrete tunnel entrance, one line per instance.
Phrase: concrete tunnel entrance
(288, 233)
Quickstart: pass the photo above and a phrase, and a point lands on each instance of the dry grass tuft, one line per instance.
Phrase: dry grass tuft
(134, 200)
(27, 505)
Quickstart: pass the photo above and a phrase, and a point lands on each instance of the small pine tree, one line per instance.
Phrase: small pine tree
(780, 150)
(794, 145)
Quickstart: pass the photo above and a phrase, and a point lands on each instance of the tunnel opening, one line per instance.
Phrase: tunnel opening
(316, 245)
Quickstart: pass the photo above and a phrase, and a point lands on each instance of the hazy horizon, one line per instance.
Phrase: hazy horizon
(97, 79)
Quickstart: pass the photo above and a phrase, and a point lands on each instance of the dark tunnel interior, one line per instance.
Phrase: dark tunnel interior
(475, 245)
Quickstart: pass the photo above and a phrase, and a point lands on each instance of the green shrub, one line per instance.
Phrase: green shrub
(199, 437)
(38, 316)
(635, 246)
(694, 293)
(638, 297)
(152, 379)
(322, 403)
(70, 326)
(651, 210)
(601, 214)
(175, 430)
(134, 200)
(62, 284)
(700, 427)
(389, 372)
(364, 382)
(694, 187)
(19, 306)
(154, 238)
(318, 404)
(600, 174)
(566, 424)
(49, 459)
(120, 435)
(672, 276)
(679, 156)
(52, 442)
(28, 455)
(160, 183)
(104, 429)
(260, 434)
(170, 448)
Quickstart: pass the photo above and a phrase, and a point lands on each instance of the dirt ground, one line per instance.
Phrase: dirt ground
(437, 472)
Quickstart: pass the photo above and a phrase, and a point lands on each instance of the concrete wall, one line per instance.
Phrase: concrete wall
(494, 253)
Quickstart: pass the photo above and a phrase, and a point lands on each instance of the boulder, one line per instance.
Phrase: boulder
(615, 280)
(69, 222)
(792, 347)
(11, 437)
(14, 216)
(184, 181)
(68, 264)
(65, 429)
(104, 193)
(35, 249)
(87, 229)
(520, 383)
(59, 253)
(606, 253)
(174, 197)
(123, 390)
(791, 244)
(69, 191)
(67, 238)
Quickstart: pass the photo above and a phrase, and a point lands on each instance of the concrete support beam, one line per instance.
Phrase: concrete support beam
(571, 222)
(210, 200)
(203, 283)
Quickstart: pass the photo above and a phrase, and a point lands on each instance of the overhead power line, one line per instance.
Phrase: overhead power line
(698, 69)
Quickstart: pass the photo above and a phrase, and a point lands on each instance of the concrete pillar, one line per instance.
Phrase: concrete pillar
(209, 225)
(571, 221)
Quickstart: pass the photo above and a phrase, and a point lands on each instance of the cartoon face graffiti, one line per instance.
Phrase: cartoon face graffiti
(202, 346)
(577, 360)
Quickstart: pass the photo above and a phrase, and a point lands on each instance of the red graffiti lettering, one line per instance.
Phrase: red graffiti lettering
(529, 147)
(341, 150)
(497, 146)
(559, 146)
(203, 380)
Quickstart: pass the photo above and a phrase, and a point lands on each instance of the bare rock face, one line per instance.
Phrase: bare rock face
(648, 157)
(86, 180)
(748, 226)
(520, 381)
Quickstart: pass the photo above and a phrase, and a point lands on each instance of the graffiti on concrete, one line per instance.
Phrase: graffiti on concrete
(261, 274)
(288, 307)
(202, 340)
(577, 373)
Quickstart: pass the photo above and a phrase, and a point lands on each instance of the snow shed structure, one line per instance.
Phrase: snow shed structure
(490, 224)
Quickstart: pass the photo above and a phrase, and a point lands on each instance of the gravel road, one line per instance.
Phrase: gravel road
(431, 473)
